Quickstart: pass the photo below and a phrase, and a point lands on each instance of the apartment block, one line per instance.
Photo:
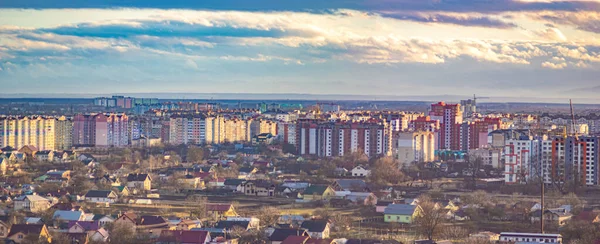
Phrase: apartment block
(45, 133)
(450, 117)
(331, 139)
(101, 130)
(522, 160)
(572, 160)
(418, 146)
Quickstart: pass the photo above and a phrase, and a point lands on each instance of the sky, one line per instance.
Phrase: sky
(507, 48)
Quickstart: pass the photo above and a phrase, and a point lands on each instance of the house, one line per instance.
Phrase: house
(459, 215)
(235, 185)
(321, 241)
(28, 150)
(259, 188)
(83, 227)
(141, 182)
(184, 237)
(279, 235)
(101, 196)
(31, 203)
(559, 217)
(46, 155)
(17, 157)
(191, 182)
(360, 171)
(371, 241)
(295, 240)
(102, 219)
(100, 235)
(246, 172)
(113, 181)
(449, 205)
(353, 185)
(220, 211)
(67, 216)
(121, 190)
(18, 232)
(128, 219)
(4, 228)
(152, 224)
(188, 224)
(318, 193)
(401, 213)
(3, 165)
(217, 182)
(316, 228)
(85, 156)
(57, 176)
(295, 185)
(229, 225)
(362, 198)
(381, 205)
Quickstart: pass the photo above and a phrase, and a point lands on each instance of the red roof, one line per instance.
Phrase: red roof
(202, 175)
(183, 236)
(218, 207)
(319, 241)
(295, 240)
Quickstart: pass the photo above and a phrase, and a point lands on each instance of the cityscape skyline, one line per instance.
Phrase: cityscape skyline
(545, 48)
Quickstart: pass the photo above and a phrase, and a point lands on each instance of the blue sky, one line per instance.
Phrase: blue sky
(509, 48)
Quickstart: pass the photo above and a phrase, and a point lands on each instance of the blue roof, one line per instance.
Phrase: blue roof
(400, 209)
(67, 215)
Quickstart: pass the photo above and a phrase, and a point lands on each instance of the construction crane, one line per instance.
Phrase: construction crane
(574, 132)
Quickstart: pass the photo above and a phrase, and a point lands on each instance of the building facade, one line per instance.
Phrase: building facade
(45, 133)
(331, 139)
(418, 146)
(101, 130)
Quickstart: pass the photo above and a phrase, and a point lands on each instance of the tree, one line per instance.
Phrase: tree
(253, 236)
(580, 232)
(385, 171)
(121, 233)
(195, 154)
(429, 219)
(289, 148)
(268, 216)
(197, 206)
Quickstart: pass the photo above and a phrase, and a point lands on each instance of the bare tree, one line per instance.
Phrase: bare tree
(268, 216)
(197, 206)
(429, 219)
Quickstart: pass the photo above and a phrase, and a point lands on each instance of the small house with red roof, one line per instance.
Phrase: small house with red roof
(184, 237)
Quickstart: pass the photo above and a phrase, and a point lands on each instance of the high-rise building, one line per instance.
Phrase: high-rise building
(417, 146)
(522, 160)
(237, 130)
(571, 160)
(424, 123)
(44, 133)
(330, 139)
(287, 132)
(263, 126)
(469, 107)
(101, 130)
(63, 135)
(450, 117)
(474, 134)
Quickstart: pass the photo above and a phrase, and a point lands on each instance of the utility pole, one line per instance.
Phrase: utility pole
(542, 209)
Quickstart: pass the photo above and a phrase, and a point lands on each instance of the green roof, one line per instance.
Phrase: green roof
(315, 189)
(119, 188)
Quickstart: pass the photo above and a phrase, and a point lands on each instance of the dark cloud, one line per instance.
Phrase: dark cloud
(479, 21)
(169, 29)
(305, 5)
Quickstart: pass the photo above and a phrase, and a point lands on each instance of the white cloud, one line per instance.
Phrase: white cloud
(551, 34)
(551, 65)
